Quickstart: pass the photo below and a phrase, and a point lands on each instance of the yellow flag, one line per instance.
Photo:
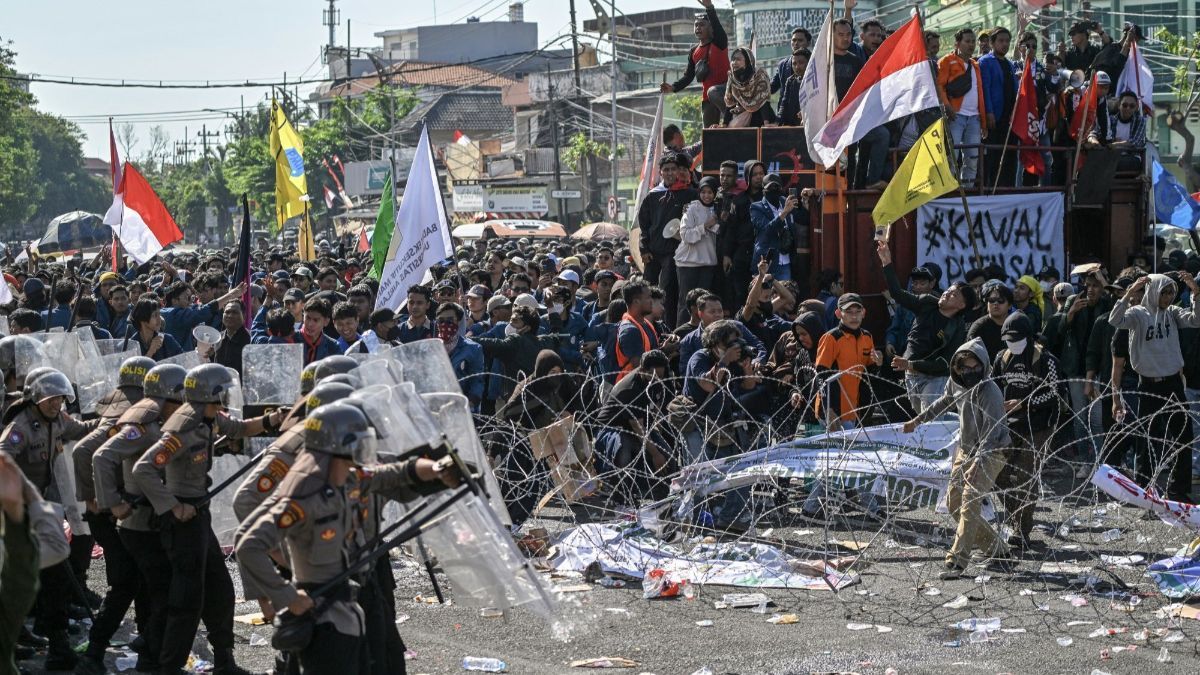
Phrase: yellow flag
(290, 184)
(923, 175)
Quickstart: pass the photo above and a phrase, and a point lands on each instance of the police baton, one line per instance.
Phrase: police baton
(229, 481)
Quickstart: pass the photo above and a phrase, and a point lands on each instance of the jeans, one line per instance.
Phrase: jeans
(661, 271)
(691, 278)
(923, 390)
(1086, 427)
(965, 131)
(872, 154)
(781, 272)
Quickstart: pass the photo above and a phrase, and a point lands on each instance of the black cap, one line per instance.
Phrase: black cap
(293, 294)
(1051, 272)
(606, 274)
(921, 273)
(848, 299)
(772, 178)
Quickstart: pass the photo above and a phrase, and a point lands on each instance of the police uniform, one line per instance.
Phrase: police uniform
(36, 444)
(321, 525)
(112, 466)
(174, 471)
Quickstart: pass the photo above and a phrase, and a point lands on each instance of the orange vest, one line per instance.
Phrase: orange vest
(625, 363)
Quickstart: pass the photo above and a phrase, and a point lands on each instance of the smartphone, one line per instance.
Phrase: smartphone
(795, 192)
(881, 233)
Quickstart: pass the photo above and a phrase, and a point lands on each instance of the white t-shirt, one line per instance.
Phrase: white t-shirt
(970, 102)
(1122, 130)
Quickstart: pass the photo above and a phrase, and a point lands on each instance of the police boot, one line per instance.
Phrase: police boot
(223, 664)
(60, 655)
(90, 665)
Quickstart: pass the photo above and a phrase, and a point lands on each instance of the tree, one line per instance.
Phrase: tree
(1182, 83)
(689, 109)
(19, 191)
(65, 186)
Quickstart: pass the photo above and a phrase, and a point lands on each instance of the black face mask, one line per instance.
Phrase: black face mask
(971, 376)
(774, 193)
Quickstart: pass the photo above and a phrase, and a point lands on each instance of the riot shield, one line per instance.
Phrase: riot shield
(380, 367)
(427, 365)
(115, 345)
(92, 380)
(270, 373)
(188, 360)
(4, 325)
(29, 352)
(453, 414)
(394, 427)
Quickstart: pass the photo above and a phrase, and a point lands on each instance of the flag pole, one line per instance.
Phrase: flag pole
(1084, 128)
(830, 105)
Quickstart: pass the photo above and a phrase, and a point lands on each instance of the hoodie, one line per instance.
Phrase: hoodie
(1030, 377)
(980, 408)
(1154, 348)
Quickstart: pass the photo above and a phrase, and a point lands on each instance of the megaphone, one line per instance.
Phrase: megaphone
(206, 337)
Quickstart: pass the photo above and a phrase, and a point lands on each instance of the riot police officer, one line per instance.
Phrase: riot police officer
(116, 493)
(316, 511)
(36, 427)
(174, 475)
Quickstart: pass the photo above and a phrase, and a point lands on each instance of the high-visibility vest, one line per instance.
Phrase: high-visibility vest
(625, 363)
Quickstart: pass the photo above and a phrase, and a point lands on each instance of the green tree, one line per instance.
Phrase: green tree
(688, 107)
(1182, 82)
(65, 186)
(19, 191)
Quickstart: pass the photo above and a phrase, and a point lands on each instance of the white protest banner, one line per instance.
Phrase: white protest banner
(422, 234)
(1020, 232)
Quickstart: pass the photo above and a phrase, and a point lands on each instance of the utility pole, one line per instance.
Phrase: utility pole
(612, 38)
(562, 203)
(575, 51)
(204, 136)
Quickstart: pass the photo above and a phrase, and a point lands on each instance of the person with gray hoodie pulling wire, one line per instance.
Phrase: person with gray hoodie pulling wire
(982, 442)
(1157, 357)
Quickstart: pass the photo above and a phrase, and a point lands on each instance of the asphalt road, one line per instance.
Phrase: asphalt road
(897, 578)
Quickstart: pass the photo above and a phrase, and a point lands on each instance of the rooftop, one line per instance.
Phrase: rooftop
(464, 111)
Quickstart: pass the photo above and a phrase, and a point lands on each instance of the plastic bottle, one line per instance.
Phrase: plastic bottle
(483, 664)
(1111, 535)
(976, 624)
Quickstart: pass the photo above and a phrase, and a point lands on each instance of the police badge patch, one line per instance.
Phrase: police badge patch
(132, 432)
(16, 437)
(292, 514)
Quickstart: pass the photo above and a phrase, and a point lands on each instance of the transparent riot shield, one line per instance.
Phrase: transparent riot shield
(427, 365)
(4, 325)
(235, 400)
(453, 415)
(92, 379)
(188, 360)
(115, 345)
(29, 353)
(380, 367)
(394, 427)
(270, 373)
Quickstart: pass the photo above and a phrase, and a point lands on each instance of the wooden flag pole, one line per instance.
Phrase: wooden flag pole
(1084, 128)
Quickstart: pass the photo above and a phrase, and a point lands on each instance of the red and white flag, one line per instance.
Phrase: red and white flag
(364, 243)
(139, 218)
(1137, 77)
(1088, 101)
(1033, 7)
(461, 138)
(1027, 124)
(114, 170)
(897, 81)
(328, 197)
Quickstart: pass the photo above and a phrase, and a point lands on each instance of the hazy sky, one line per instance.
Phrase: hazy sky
(216, 40)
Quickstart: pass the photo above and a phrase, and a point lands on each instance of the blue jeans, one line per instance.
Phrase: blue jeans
(965, 130)
(781, 272)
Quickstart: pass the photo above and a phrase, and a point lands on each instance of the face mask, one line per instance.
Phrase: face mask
(511, 330)
(556, 308)
(1017, 348)
(1046, 286)
(447, 331)
(971, 376)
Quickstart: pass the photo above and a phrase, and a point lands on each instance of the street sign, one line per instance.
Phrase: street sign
(612, 208)
(566, 194)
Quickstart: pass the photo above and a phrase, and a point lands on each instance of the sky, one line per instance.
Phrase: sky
(216, 40)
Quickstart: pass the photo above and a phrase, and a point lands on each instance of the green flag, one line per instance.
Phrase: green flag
(385, 223)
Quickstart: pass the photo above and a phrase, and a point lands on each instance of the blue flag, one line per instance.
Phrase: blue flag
(1172, 203)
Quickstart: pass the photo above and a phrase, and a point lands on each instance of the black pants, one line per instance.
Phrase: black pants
(154, 578)
(1125, 437)
(200, 588)
(661, 272)
(331, 652)
(124, 584)
(691, 278)
(385, 649)
(1162, 408)
(1001, 166)
(55, 591)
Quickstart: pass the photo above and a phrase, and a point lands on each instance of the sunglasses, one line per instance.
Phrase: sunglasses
(997, 301)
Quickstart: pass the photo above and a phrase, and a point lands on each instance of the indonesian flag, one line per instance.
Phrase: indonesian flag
(139, 219)
(897, 81)
(364, 244)
(1033, 7)
(114, 162)
(328, 197)
(1086, 106)
(1027, 125)
(1137, 77)
(461, 138)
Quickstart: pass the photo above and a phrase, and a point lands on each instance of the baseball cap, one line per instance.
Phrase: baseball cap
(527, 300)
(293, 295)
(479, 291)
(1051, 272)
(518, 261)
(302, 272)
(569, 275)
(548, 265)
(570, 261)
(772, 178)
(496, 302)
(606, 274)
(1102, 77)
(921, 273)
(1063, 289)
(444, 284)
(279, 275)
(849, 300)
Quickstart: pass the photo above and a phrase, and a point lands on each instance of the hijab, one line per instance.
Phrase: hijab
(543, 382)
(748, 88)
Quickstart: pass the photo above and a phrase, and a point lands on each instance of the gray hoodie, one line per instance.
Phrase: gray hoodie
(982, 427)
(1154, 349)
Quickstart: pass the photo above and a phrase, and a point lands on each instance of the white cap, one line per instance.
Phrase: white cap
(527, 300)
(569, 275)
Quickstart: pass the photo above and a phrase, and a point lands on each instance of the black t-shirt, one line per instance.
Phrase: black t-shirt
(990, 332)
(845, 68)
(633, 399)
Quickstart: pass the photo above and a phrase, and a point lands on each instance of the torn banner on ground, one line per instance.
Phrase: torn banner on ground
(913, 469)
(629, 549)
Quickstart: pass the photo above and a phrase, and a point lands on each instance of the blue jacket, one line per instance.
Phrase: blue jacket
(993, 85)
(606, 352)
(575, 326)
(467, 360)
(495, 366)
(768, 229)
(170, 346)
(692, 343)
(59, 317)
(404, 334)
(178, 322)
(783, 70)
(897, 332)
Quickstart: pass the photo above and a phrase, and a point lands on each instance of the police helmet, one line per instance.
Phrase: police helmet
(133, 371)
(166, 382)
(50, 384)
(340, 430)
(209, 383)
(327, 392)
